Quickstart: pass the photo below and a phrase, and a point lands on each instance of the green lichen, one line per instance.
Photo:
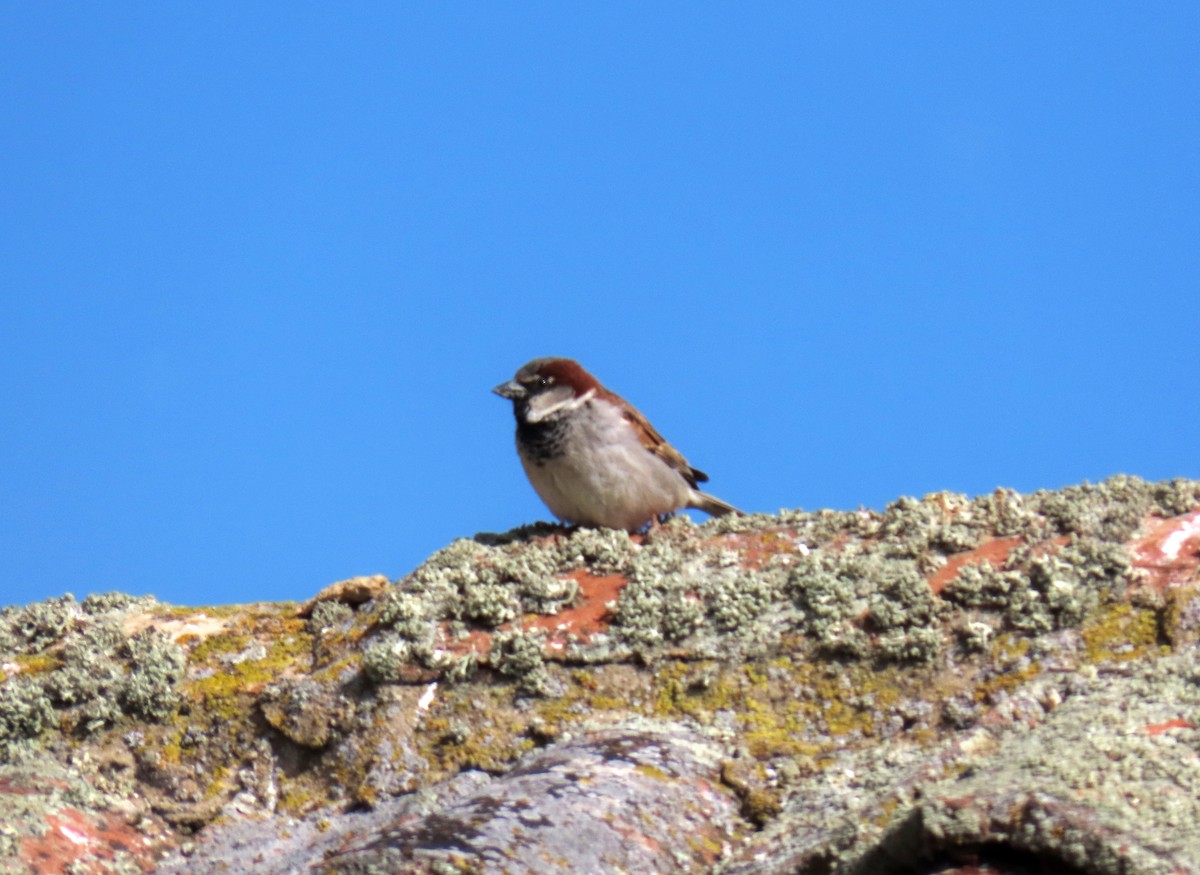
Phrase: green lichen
(1071, 582)
(547, 594)
(78, 665)
(328, 615)
(604, 551)
(408, 637)
(488, 586)
(34, 627)
(519, 655)
(490, 604)
(655, 611)
(25, 712)
(1041, 588)
(853, 582)
(1175, 497)
(1006, 513)
(982, 585)
(835, 592)
(97, 604)
(484, 583)
(683, 590)
(861, 592)
(156, 665)
(942, 522)
(386, 657)
(829, 609)
(398, 608)
(1110, 511)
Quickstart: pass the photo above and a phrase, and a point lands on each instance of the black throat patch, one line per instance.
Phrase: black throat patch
(540, 441)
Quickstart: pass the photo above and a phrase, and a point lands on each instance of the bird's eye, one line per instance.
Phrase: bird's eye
(543, 382)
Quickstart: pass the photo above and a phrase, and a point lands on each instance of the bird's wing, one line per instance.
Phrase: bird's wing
(657, 444)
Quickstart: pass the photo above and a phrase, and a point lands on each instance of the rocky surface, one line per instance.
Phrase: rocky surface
(1004, 684)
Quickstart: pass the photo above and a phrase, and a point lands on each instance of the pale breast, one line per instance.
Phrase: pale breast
(591, 469)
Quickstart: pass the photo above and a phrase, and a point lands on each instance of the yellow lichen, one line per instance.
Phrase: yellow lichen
(1012, 668)
(1120, 632)
(886, 811)
(778, 703)
(606, 703)
(651, 771)
(495, 735)
(296, 800)
(37, 664)
(216, 784)
(223, 691)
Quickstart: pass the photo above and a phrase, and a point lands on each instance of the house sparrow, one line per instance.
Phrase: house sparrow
(591, 456)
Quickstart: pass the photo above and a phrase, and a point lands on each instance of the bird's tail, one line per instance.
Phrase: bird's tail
(710, 504)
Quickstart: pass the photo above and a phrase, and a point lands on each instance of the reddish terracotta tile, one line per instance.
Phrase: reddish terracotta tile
(1168, 551)
(995, 551)
(1159, 728)
(73, 837)
(26, 786)
(586, 618)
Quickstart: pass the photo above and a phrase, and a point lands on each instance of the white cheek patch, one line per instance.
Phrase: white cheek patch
(566, 405)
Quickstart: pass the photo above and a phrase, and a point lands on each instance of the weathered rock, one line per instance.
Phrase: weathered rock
(353, 592)
(638, 799)
(306, 711)
(1101, 774)
(1007, 683)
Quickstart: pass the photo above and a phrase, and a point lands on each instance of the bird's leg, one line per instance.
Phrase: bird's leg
(655, 521)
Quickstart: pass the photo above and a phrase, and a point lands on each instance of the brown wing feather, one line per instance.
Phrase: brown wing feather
(657, 444)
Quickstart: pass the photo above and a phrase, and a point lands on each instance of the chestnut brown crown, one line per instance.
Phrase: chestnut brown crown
(543, 373)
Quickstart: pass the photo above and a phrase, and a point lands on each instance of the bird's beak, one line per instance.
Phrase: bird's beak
(512, 390)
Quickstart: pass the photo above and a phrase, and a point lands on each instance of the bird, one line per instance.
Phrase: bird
(592, 457)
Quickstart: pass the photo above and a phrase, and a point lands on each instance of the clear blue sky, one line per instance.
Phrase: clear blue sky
(261, 263)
